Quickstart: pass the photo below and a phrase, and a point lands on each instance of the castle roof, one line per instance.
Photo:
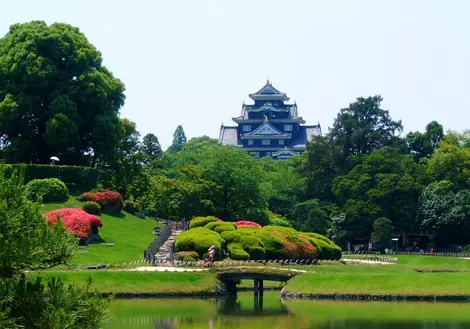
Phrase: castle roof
(265, 130)
(268, 92)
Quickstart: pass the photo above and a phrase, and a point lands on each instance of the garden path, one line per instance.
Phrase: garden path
(166, 250)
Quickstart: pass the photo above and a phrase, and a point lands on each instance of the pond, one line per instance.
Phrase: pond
(244, 311)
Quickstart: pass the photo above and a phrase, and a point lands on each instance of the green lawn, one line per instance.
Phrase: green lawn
(134, 282)
(130, 235)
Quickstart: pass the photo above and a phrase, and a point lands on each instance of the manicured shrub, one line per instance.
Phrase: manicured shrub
(47, 190)
(319, 236)
(253, 246)
(201, 221)
(231, 236)
(192, 254)
(110, 201)
(247, 223)
(199, 239)
(224, 227)
(256, 253)
(188, 259)
(236, 252)
(326, 250)
(466, 249)
(284, 242)
(213, 225)
(75, 177)
(91, 207)
(76, 221)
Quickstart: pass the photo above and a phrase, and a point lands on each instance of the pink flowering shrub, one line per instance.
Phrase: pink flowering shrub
(76, 221)
(107, 199)
(247, 223)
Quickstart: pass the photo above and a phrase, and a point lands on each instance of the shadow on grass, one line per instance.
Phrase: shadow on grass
(115, 214)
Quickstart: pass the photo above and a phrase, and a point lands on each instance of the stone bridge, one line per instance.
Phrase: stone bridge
(231, 276)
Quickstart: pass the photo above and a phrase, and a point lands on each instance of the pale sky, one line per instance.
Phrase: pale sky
(194, 62)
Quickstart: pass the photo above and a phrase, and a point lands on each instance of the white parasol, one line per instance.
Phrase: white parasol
(55, 159)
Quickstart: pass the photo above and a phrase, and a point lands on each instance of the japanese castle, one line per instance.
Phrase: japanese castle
(270, 126)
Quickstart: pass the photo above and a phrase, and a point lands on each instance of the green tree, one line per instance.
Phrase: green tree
(363, 127)
(422, 145)
(321, 167)
(198, 143)
(27, 242)
(451, 162)
(281, 184)
(445, 212)
(310, 216)
(179, 139)
(150, 149)
(56, 97)
(384, 183)
(382, 235)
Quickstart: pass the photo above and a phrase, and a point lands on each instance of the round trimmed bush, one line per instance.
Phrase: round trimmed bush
(201, 221)
(253, 246)
(91, 207)
(47, 190)
(326, 250)
(236, 252)
(256, 252)
(199, 239)
(466, 249)
(224, 227)
(213, 225)
(188, 259)
(231, 236)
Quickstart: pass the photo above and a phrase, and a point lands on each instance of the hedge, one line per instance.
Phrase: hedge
(231, 236)
(253, 246)
(236, 252)
(211, 225)
(47, 190)
(225, 227)
(109, 201)
(91, 207)
(76, 221)
(201, 221)
(199, 239)
(75, 177)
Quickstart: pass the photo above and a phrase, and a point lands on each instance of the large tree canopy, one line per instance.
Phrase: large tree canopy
(384, 183)
(56, 97)
(364, 126)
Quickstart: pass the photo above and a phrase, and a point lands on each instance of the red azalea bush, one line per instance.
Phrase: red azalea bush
(76, 221)
(247, 223)
(107, 199)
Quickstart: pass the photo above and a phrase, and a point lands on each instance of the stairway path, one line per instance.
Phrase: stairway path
(164, 253)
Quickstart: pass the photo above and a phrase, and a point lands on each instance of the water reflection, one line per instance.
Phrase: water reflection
(245, 311)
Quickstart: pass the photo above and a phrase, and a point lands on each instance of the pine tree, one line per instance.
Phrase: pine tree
(150, 149)
(179, 139)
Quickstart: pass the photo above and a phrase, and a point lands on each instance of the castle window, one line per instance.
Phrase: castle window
(246, 127)
(257, 155)
(250, 142)
(287, 127)
(265, 142)
(268, 154)
(281, 142)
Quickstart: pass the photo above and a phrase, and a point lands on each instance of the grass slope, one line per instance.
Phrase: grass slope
(130, 235)
(138, 282)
